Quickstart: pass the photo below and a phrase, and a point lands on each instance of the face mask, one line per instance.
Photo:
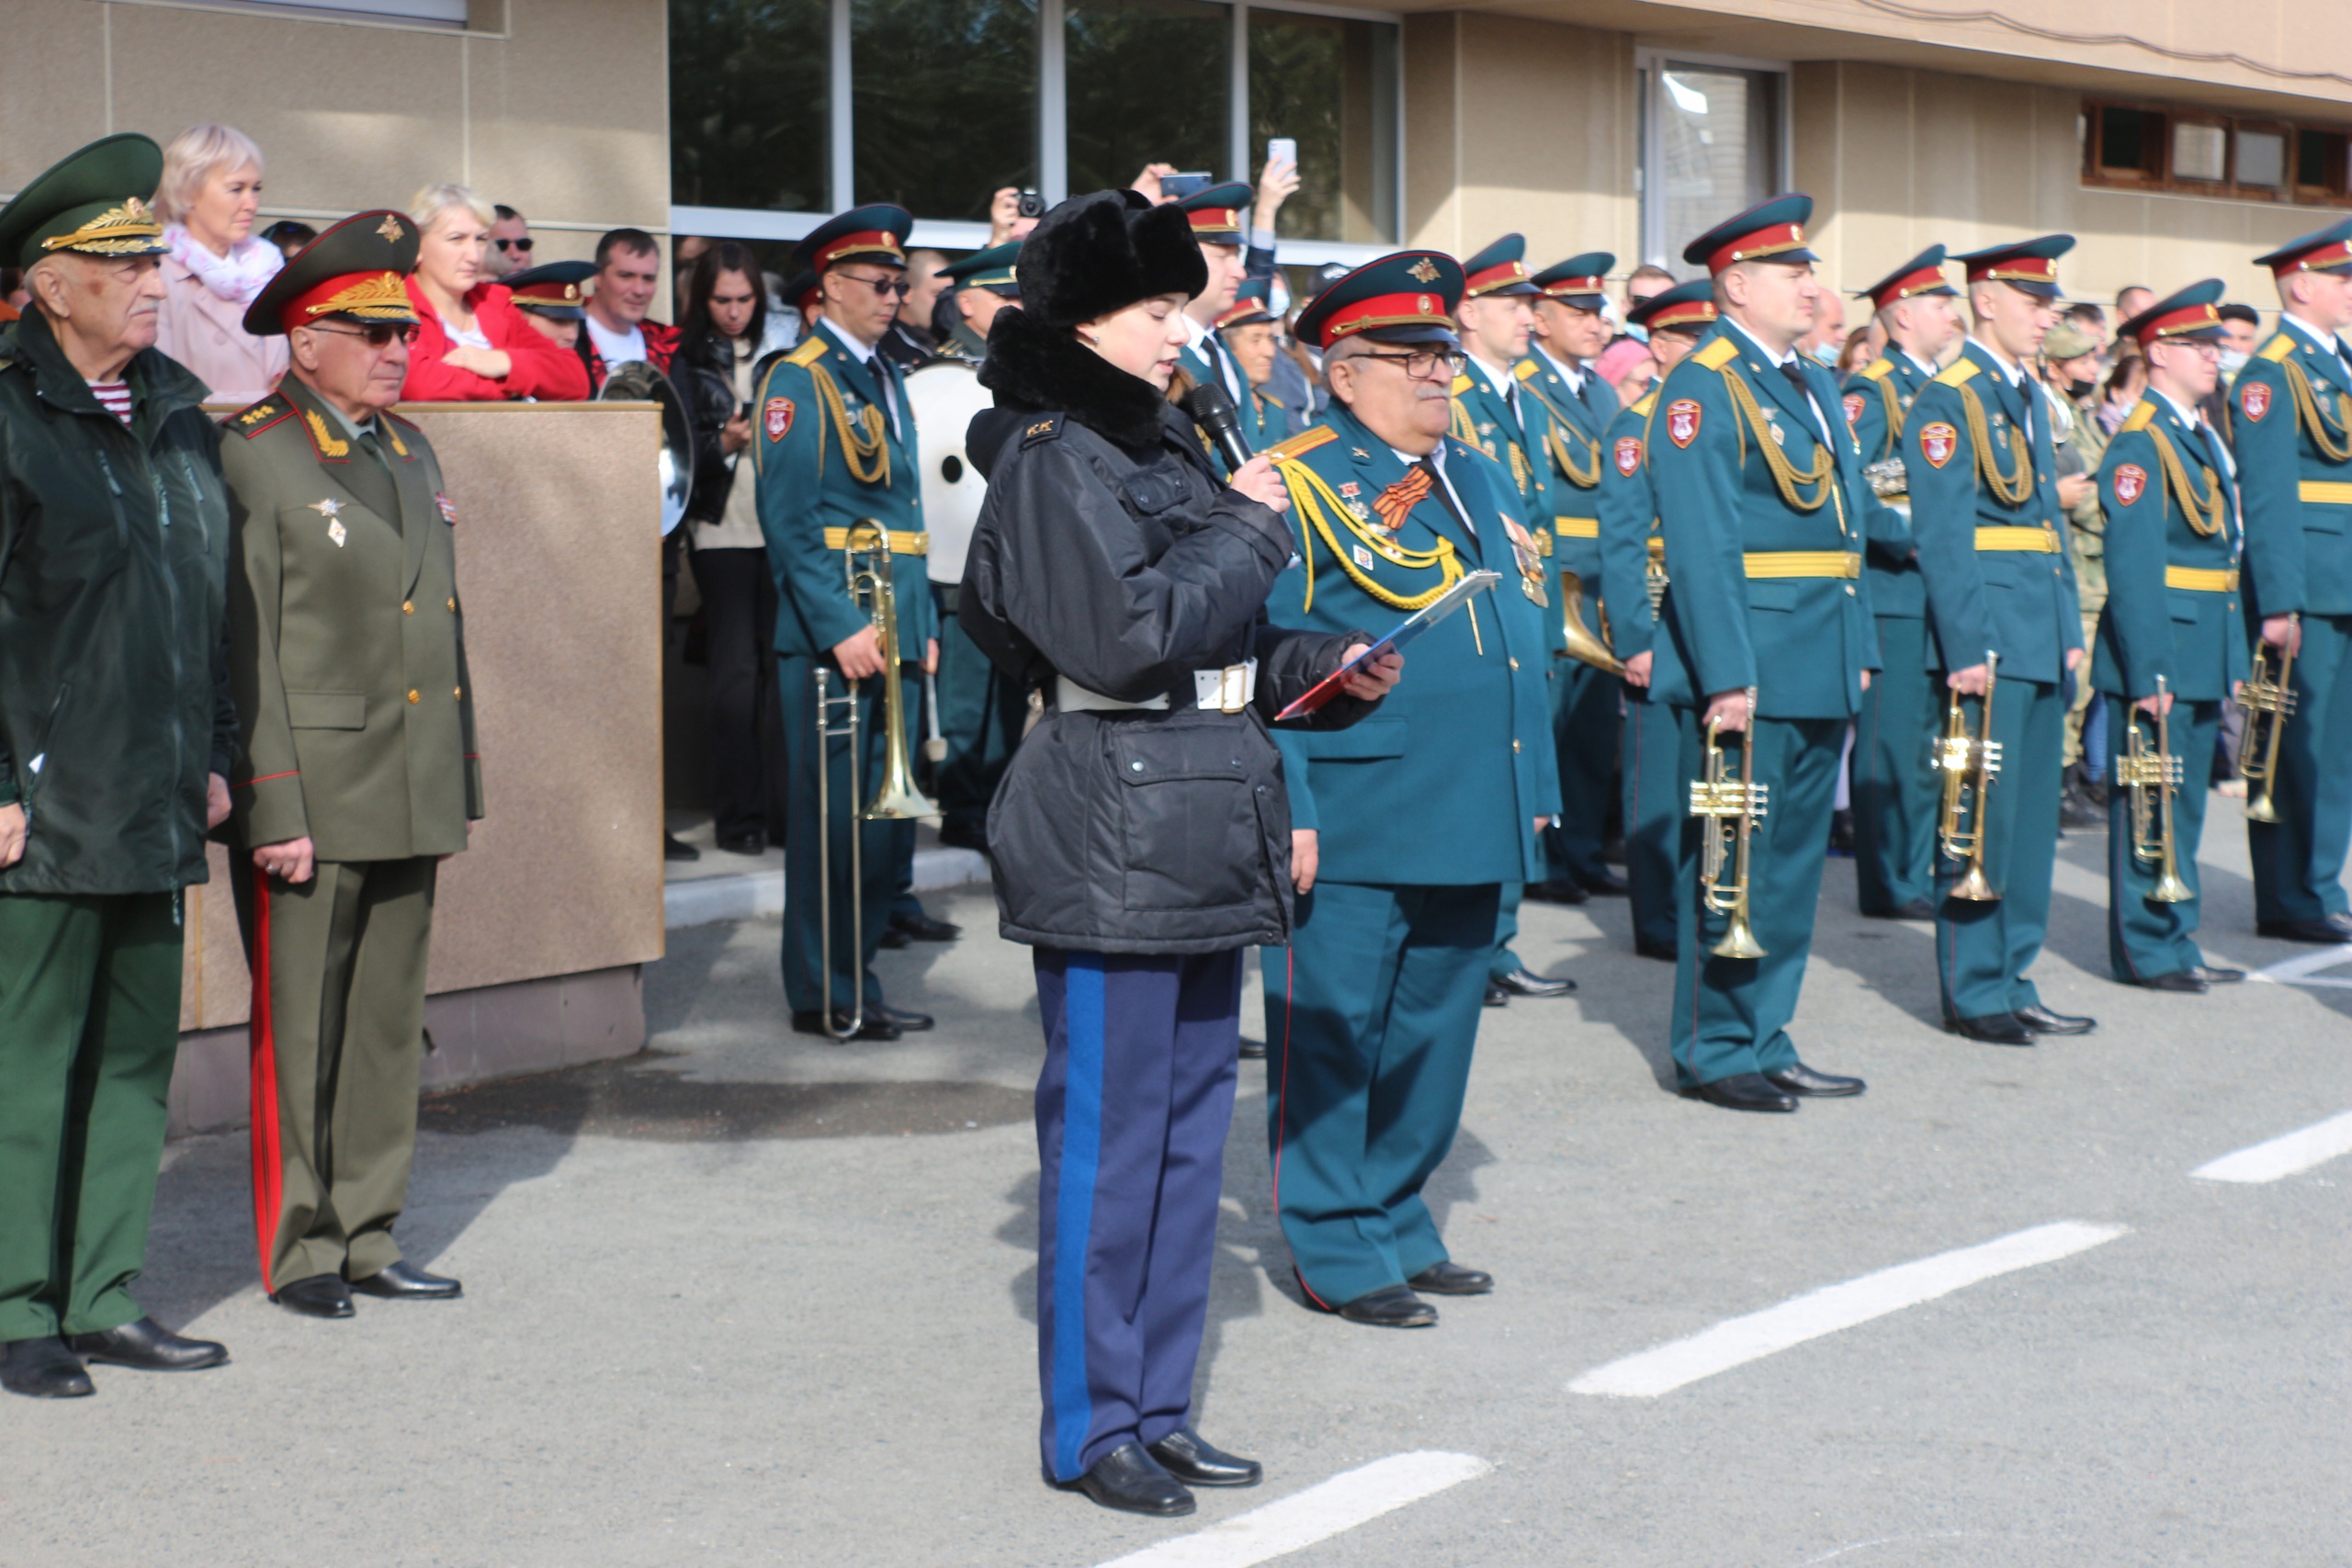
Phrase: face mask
(1637, 332)
(2079, 390)
(2233, 360)
(1827, 353)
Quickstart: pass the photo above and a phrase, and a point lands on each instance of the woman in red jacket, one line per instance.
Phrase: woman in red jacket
(472, 345)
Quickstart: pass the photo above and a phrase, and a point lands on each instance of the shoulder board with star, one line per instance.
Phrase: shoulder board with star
(2143, 413)
(1526, 369)
(812, 348)
(2279, 348)
(251, 422)
(1645, 403)
(1718, 354)
(1877, 369)
(1462, 384)
(1959, 373)
(1305, 441)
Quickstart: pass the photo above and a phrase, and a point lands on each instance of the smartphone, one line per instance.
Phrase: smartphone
(1283, 150)
(1191, 182)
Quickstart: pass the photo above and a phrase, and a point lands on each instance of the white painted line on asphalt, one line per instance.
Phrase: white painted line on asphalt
(2303, 969)
(1738, 1340)
(2288, 1156)
(1351, 1499)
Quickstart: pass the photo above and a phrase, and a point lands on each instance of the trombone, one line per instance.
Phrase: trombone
(1969, 764)
(1732, 807)
(2152, 775)
(865, 568)
(2268, 699)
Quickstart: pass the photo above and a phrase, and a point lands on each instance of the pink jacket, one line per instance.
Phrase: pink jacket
(207, 334)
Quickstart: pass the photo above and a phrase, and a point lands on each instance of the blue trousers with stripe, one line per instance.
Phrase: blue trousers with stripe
(1133, 1108)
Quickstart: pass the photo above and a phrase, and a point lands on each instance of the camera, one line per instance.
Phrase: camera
(1032, 204)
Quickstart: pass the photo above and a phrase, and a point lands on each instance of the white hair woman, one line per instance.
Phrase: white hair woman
(473, 345)
(211, 193)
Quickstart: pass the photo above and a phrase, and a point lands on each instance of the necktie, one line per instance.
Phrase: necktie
(1445, 493)
(1796, 380)
(1510, 400)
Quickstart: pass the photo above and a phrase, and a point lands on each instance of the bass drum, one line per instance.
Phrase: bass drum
(946, 394)
(637, 383)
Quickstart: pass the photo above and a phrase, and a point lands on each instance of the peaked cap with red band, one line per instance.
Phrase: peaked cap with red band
(1216, 213)
(1409, 297)
(2029, 265)
(1500, 268)
(1687, 307)
(1922, 273)
(1579, 281)
(1252, 302)
(358, 268)
(2330, 250)
(1770, 231)
(2188, 314)
(555, 289)
(877, 233)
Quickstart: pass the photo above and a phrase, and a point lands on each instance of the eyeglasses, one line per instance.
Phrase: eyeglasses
(898, 286)
(1423, 365)
(523, 246)
(379, 334)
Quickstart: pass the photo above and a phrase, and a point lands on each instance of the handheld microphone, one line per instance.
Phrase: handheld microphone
(1212, 409)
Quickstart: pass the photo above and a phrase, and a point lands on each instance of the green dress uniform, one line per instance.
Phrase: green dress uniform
(1632, 587)
(1992, 549)
(1895, 791)
(1760, 499)
(2290, 423)
(1264, 420)
(835, 445)
(2172, 614)
(1216, 216)
(347, 656)
(113, 712)
(1421, 812)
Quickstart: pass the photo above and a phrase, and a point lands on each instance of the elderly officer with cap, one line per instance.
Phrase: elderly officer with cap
(1372, 1009)
(1984, 509)
(1760, 499)
(2290, 418)
(1632, 585)
(980, 285)
(1895, 793)
(2172, 637)
(1246, 330)
(361, 771)
(834, 439)
(115, 742)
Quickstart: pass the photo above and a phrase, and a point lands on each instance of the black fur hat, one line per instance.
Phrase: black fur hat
(1097, 253)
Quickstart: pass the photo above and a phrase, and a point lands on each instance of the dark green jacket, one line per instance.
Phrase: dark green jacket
(114, 687)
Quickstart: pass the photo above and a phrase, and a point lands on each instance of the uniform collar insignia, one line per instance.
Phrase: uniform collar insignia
(326, 508)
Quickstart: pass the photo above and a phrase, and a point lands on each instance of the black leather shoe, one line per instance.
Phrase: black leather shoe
(1605, 883)
(2303, 930)
(149, 1347)
(2188, 980)
(1496, 996)
(1743, 1092)
(1252, 1050)
(42, 1369)
(1193, 1462)
(2042, 1021)
(1798, 1078)
(1563, 890)
(1993, 1029)
(1132, 1481)
(1527, 983)
(744, 843)
(321, 1295)
(1452, 1279)
(2218, 974)
(675, 847)
(1644, 948)
(875, 1028)
(403, 1281)
(892, 937)
(922, 927)
(1918, 910)
(899, 1019)
(1391, 1306)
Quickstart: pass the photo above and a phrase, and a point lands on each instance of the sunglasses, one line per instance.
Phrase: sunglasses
(379, 334)
(523, 246)
(898, 286)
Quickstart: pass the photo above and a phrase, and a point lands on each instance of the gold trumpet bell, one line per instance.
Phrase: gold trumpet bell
(1581, 643)
(1740, 938)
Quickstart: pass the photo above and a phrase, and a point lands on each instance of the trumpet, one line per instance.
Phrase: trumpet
(1732, 807)
(866, 567)
(1582, 643)
(1969, 764)
(2152, 775)
(2268, 699)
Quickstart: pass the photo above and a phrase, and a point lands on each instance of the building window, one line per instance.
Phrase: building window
(747, 104)
(1711, 147)
(1329, 84)
(2319, 164)
(944, 98)
(2197, 152)
(1148, 80)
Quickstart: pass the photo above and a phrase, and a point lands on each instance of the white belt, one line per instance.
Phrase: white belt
(1229, 689)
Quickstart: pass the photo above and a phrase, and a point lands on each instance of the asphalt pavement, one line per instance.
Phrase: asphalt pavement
(752, 1298)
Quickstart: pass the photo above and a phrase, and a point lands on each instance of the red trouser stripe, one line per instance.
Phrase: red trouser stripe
(1281, 1110)
(268, 1173)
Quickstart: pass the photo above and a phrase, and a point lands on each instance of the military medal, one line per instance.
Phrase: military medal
(448, 511)
(1780, 436)
(335, 530)
(1364, 556)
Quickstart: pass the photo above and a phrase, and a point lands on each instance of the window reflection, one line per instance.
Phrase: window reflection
(1716, 151)
(1332, 85)
(943, 102)
(1149, 81)
(747, 104)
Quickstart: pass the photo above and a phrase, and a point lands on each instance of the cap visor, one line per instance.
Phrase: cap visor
(1412, 331)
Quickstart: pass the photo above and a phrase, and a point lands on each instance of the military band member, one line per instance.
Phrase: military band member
(1371, 1010)
(1494, 416)
(982, 284)
(1896, 792)
(1216, 216)
(2172, 638)
(1570, 333)
(115, 742)
(1984, 509)
(1247, 330)
(2290, 418)
(361, 772)
(835, 443)
(1760, 499)
(1632, 583)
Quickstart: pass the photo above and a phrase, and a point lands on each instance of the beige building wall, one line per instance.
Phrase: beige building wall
(558, 107)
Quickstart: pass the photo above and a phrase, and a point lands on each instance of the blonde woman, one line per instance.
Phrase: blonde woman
(473, 345)
(211, 193)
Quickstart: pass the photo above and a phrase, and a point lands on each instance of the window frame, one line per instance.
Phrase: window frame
(1650, 64)
(2165, 181)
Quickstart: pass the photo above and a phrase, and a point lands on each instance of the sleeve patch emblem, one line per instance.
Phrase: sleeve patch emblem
(1938, 441)
(2131, 482)
(2255, 398)
(1628, 455)
(778, 418)
(1853, 408)
(1682, 420)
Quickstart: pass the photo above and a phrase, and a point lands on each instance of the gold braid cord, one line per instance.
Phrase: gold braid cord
(1785, 474)
(1894, 416)
(1317, 502)
(2334, 441)
(2018, 487)
(1584, 478)
(2204, 512)
(864, 446)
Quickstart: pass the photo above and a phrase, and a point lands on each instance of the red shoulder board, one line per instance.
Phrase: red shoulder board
(2254, 397)
(252, 422)
(2131, 482)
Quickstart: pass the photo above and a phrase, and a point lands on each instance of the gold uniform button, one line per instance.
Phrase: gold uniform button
(413, 697)
(452, 603)
(1514, 747)
(1850, 593)
(408, 607)
(457, 692)
(1514, 663)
